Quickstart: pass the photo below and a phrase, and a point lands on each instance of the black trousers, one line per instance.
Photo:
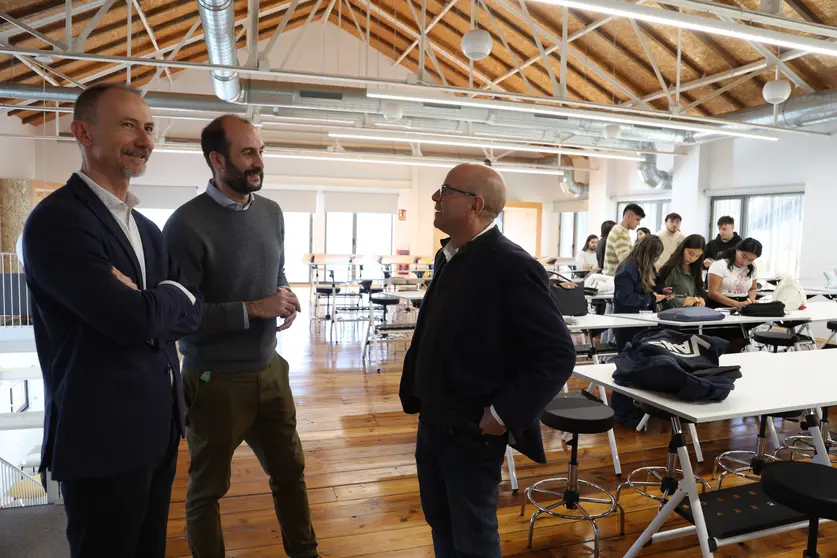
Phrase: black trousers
(458, 474)
(123, 516)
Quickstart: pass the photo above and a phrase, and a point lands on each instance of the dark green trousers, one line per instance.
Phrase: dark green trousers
(225, 409)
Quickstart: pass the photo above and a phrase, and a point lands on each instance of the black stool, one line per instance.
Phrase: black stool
(384, 301)
(668, 478)
(808, 488)
(776, 339)
(578, 413)
(738, 462)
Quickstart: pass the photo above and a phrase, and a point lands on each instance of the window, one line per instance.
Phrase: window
(369, 234)
(157, 216)
(572, 233)
(297, 243)
(655, 214)
(773, 220)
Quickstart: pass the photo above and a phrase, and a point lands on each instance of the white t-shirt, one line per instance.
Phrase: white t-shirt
(736, 282)
(587, 258)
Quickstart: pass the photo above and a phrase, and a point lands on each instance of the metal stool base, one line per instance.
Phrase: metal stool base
(655, 471)
(561, 494)
(737, 463)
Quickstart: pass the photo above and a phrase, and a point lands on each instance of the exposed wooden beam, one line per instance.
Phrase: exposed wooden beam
(803, 11)
(688, 61)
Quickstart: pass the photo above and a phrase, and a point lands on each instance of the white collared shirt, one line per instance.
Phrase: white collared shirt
(449, 251)
(123, 213)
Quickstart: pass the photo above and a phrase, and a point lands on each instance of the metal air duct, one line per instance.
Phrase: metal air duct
(218, 21)
(650, 174)
(796, 112)
(568, 183)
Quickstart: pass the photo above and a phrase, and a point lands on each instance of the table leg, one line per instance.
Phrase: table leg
(687, 489)
(822, 457)
(611, 438)
(512, 469)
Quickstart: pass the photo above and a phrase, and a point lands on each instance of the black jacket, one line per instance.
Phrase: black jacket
(682, 364)
(629, 296)
(488, 333)
(717, 247)
(105, 350)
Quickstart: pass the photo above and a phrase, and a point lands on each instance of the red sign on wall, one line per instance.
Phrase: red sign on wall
(402, 214)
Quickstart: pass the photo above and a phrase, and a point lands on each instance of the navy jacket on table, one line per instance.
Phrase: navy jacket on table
(107, 352)
(488, 333)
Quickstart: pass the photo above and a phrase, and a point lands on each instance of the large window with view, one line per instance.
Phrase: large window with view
(572, 232)
(365, 234)
(775, 220)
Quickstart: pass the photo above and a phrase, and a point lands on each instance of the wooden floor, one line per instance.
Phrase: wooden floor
(361, 473)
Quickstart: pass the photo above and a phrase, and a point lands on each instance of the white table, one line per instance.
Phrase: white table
(403, 295)
(816, 311)
(755, 394)
(608, 321)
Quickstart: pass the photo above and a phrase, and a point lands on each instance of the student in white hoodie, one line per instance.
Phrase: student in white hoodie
(671, 236)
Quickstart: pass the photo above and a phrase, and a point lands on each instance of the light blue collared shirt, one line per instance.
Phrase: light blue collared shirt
(224, 201)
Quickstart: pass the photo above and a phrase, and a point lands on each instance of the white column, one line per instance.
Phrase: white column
(600, 206)
(689, 179)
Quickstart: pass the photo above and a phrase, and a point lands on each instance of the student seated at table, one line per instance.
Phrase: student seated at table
(683, 272)
(587, 256)
(635, 285)
(732, 278)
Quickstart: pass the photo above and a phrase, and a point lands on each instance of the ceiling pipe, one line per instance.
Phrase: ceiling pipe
(568, 183)
(650, 174)
(796, 112)
(218, 23)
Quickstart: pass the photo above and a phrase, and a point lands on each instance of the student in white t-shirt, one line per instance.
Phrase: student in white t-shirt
(732, 279)
(587, 256)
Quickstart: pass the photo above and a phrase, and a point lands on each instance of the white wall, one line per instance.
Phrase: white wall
(17, 156)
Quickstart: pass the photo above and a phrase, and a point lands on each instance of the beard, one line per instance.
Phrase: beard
(136, 171)
(239, 180)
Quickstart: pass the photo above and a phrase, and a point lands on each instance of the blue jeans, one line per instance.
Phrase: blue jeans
(458, 473)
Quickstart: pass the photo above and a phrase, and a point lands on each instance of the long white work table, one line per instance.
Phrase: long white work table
(770, 383)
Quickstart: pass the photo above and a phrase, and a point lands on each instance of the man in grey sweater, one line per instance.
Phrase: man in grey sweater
(230, 244)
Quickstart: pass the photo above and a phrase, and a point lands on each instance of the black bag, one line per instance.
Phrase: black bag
(569, 298)
(773, 309)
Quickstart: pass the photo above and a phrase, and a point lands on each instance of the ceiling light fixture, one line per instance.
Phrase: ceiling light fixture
(281, 119)
(383, 160)
(697, 23)
(481, 144)
(570, 113)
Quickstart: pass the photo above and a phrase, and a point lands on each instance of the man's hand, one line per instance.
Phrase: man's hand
(489, 425)
(279, 305)
(288, 322)
(122, 278)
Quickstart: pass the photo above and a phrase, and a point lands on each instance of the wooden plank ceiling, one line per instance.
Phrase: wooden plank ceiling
(607, 65)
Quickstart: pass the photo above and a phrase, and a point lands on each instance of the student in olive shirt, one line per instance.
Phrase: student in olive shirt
(683, 273)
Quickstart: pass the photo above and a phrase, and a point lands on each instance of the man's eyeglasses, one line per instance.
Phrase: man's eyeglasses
(446, 189)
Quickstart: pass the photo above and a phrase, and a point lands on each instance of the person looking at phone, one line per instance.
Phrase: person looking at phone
(635, 285)
(732, 279)
(683, 274)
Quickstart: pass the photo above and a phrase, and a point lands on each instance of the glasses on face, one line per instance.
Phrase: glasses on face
(445, 189)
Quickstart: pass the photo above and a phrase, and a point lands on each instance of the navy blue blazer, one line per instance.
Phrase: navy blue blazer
(506, 341)
(105, 350)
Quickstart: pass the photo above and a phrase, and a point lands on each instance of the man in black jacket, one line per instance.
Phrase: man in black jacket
(489, 352)
(109, 302)
(726, 240)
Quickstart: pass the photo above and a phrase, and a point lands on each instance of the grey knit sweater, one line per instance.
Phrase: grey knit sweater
(231, 257)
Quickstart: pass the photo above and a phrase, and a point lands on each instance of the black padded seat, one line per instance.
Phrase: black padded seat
(384, 300)
(586, 348)
(328, 290)
(805, 487)
(367, 288)
(778, 338)
(575, 413)
(832, 325)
